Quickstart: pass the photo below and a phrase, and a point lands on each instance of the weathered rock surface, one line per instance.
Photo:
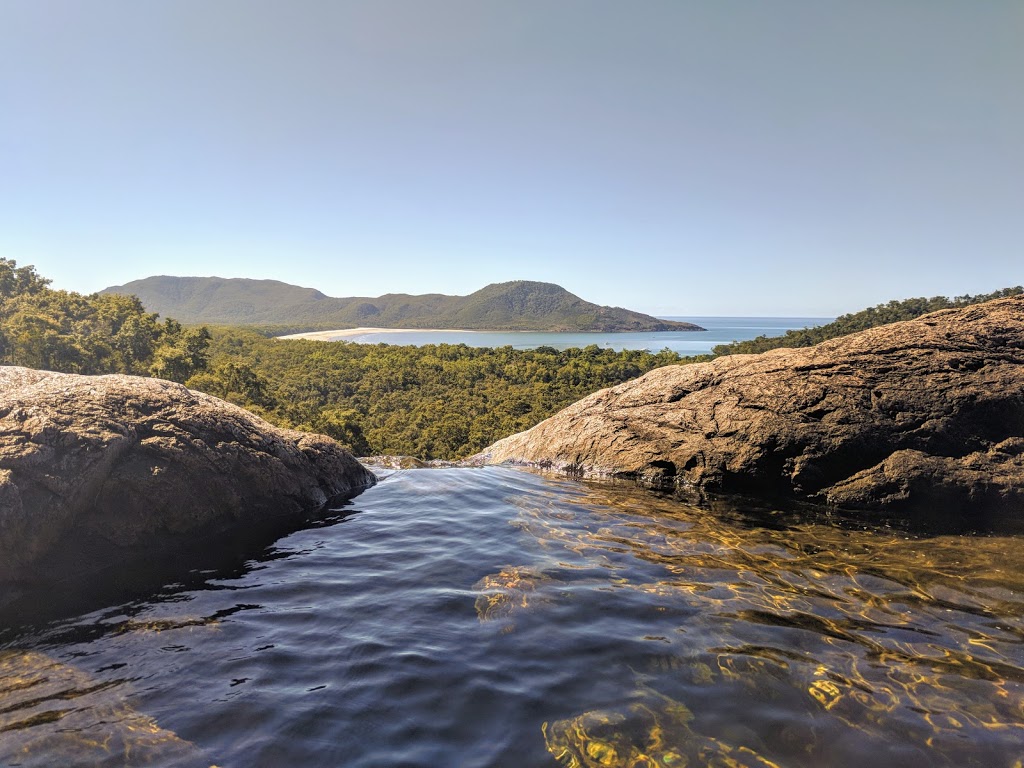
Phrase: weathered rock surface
(922, 415)
(122, 463)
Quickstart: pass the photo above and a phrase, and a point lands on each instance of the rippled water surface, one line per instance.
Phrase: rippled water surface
(499, 618)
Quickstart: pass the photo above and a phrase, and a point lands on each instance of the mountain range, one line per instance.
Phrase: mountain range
(520, 305)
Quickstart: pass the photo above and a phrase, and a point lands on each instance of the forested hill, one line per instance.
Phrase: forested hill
(515, 306)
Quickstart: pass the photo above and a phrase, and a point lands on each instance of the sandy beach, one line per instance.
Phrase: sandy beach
(345, 333)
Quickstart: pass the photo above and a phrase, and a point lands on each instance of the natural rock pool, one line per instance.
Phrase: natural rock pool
(496, 617)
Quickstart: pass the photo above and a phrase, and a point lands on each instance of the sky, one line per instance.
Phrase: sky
(725, 157)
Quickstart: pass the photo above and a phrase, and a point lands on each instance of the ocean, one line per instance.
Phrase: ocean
(720, 330)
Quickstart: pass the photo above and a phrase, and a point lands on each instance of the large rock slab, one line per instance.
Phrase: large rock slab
(97, 466)
(926, 414)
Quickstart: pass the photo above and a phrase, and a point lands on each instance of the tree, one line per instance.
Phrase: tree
(345, 426)
(15, 280)
(67, 331)
(235, 382)
(181, 354)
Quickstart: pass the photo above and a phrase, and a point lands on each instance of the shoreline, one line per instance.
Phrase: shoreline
(346, 333)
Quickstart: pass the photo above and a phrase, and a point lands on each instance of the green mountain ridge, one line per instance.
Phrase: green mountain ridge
(520, 305)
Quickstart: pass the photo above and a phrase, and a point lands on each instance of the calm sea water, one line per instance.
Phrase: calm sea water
(497, 617)
(720, 330)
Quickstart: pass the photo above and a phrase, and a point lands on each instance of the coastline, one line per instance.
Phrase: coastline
(717, 330)
(345, 333)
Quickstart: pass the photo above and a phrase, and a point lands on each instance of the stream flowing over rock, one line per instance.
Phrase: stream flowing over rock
(100, 466)
(920, 416)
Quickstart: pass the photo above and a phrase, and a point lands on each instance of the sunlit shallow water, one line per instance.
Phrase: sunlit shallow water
(496, 617)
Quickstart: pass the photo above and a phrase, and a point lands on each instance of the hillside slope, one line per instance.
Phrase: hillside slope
(514, 306)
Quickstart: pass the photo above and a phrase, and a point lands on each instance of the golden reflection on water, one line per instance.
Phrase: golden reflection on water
(53, 714)
(501, 593)
(605, 739)
(907, 641)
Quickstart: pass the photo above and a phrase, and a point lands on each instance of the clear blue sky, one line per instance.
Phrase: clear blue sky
(676, 157)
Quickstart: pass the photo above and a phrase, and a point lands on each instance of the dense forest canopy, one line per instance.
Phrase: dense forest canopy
(65, 331)
(882, 314)
(442, 401)
(438, 401)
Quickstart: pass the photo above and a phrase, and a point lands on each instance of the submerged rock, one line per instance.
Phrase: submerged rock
(924, 415)
(95, 467)
(654, 732)
(513, 588)
(404, 462)
(54, 714)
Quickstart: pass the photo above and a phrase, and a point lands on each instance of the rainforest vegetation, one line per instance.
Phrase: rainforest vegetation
(65, 331)
(436, 401)
(443, 401)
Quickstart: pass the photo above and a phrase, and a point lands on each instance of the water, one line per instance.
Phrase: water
(720, 330)
(497, 617)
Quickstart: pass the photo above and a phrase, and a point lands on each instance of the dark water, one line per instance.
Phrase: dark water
(499, 618)
(718, 330)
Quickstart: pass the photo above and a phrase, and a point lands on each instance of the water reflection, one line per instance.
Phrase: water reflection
(847, 640)
(650, 733)
(496, 617)
(55, 714)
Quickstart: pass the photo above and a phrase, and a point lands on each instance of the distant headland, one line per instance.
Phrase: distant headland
(520, 305)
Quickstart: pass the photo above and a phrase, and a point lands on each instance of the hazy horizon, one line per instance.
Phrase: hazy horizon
(798, 158)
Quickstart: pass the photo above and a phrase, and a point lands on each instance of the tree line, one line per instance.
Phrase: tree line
(438, 401)
(882, 314)
(443, 401)
(66, 331)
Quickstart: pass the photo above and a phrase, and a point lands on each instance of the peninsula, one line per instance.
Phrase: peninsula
(521, 305)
